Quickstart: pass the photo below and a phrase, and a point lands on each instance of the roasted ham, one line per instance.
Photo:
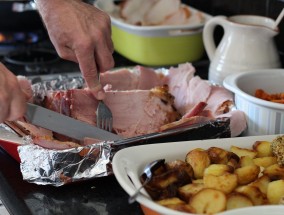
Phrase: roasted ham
(142, 101)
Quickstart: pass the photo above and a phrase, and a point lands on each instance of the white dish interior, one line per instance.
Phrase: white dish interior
(152, 30)
(129, 163)
(245, 84)
(263, 117)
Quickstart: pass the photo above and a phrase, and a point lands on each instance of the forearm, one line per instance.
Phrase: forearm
(45, 7)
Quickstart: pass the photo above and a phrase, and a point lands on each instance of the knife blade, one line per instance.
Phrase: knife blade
(65, 125)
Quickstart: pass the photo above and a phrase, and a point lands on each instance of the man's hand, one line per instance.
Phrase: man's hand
(81, 33)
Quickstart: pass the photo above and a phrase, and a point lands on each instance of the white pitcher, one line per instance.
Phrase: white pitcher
(247, 44)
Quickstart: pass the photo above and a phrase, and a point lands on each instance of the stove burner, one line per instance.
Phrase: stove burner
(8, 38)
(33, 57)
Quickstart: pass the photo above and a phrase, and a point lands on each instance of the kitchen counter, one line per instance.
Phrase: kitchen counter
(102, 196)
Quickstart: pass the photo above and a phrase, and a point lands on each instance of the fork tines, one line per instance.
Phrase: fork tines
(104, 117)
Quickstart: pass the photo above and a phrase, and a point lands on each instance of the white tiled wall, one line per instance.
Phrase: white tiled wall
(3, 210)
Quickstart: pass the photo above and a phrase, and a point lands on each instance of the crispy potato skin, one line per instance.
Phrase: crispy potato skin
(247, 174)
(238, 200)
(199, 160)
(208, 201)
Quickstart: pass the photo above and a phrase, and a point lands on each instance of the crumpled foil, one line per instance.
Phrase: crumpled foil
(62, 82)
(59, 167)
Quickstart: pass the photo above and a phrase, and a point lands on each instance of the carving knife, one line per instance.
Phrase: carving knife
(65, 125)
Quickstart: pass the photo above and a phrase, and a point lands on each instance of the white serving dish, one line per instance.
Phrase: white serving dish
(263, 117)
(128, 164)
(155, 45)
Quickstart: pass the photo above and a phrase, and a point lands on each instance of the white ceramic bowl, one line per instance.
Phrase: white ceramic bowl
(128, 164)
(263, 117)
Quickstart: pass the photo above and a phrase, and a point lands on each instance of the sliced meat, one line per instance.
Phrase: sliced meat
(185, 122)
(49, 142)
(77, 103)
(122, 79)
(139, 77)
(196, 110)
(135, 112)
(187, 89)
(83, 106)
(178, 83)
(148, 78)
(238, 122)
(23, 128)
(220, 100)
(140, 112)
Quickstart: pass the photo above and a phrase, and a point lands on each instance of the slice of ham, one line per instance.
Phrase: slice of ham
(196, 110)
(77, 103)
(141, 111)
(122, 79)
(187, 89)
(177, 81)
(135, 112)
(137, 78)
(49, 142)
(220, 100)
(185, 122)
(238, 122)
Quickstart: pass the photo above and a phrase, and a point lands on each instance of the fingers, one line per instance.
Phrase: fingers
(17, 107)
(87, 63)
(104, 45)
(12, 99)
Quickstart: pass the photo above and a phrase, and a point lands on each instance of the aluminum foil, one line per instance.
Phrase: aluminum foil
(59, 167)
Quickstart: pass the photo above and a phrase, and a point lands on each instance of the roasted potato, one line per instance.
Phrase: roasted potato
(225, 183)
(208, 201)
(275, 191)
(261, 183)
(187, 191)
(218, 155)
(243, 152)
(170, 201)
(247, 174)
(238, 200)
(274, 172)
(256, 196)
(218, 169)
(167, 179)
(198, 181)
(199, 160)
(265, 161)
(246, 161)
(263, 148)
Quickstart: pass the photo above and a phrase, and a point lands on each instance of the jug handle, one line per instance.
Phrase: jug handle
(208, 32)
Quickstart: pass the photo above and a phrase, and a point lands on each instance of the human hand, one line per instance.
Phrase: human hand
(81, 33)
(12, 96)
